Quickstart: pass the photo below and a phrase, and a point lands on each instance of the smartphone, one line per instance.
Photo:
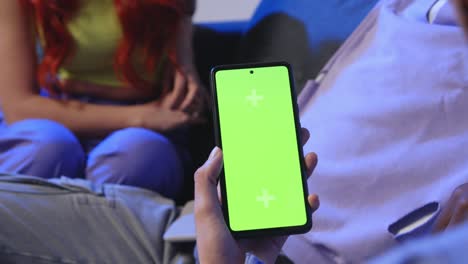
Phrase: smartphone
(263, 182)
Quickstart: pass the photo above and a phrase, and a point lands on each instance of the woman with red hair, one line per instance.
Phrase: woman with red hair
(110, 95)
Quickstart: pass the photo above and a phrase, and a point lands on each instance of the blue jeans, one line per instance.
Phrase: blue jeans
(132, 156)
(75, 221)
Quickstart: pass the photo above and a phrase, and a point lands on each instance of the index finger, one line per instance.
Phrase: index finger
(305, 135)
(178, 92)
(314, 202)
(192, 92)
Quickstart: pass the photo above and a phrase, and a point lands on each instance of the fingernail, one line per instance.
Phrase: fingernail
(214, 153)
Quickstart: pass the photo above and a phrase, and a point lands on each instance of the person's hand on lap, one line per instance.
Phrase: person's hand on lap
(187, 93)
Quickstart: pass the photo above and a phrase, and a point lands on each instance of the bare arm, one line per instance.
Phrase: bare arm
(19, 98)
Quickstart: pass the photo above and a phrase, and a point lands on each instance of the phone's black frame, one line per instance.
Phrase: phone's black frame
(268, 231)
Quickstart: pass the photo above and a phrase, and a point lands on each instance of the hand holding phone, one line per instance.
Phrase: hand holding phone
(263, 183)
(214, 241)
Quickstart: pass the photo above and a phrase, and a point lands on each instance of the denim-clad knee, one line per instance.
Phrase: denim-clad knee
(137, 157)
(40, 148)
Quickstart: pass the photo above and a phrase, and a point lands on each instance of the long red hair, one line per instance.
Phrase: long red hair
(147, 25)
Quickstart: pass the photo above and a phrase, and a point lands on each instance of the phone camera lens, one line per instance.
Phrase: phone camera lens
(251, 72)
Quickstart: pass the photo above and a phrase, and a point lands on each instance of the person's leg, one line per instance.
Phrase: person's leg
(74, 221)
(40, 148)
(137, 157)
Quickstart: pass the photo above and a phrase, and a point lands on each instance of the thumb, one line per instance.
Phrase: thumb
(206, 177)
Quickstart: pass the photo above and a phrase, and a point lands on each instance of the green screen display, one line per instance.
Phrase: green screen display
(261, 158)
